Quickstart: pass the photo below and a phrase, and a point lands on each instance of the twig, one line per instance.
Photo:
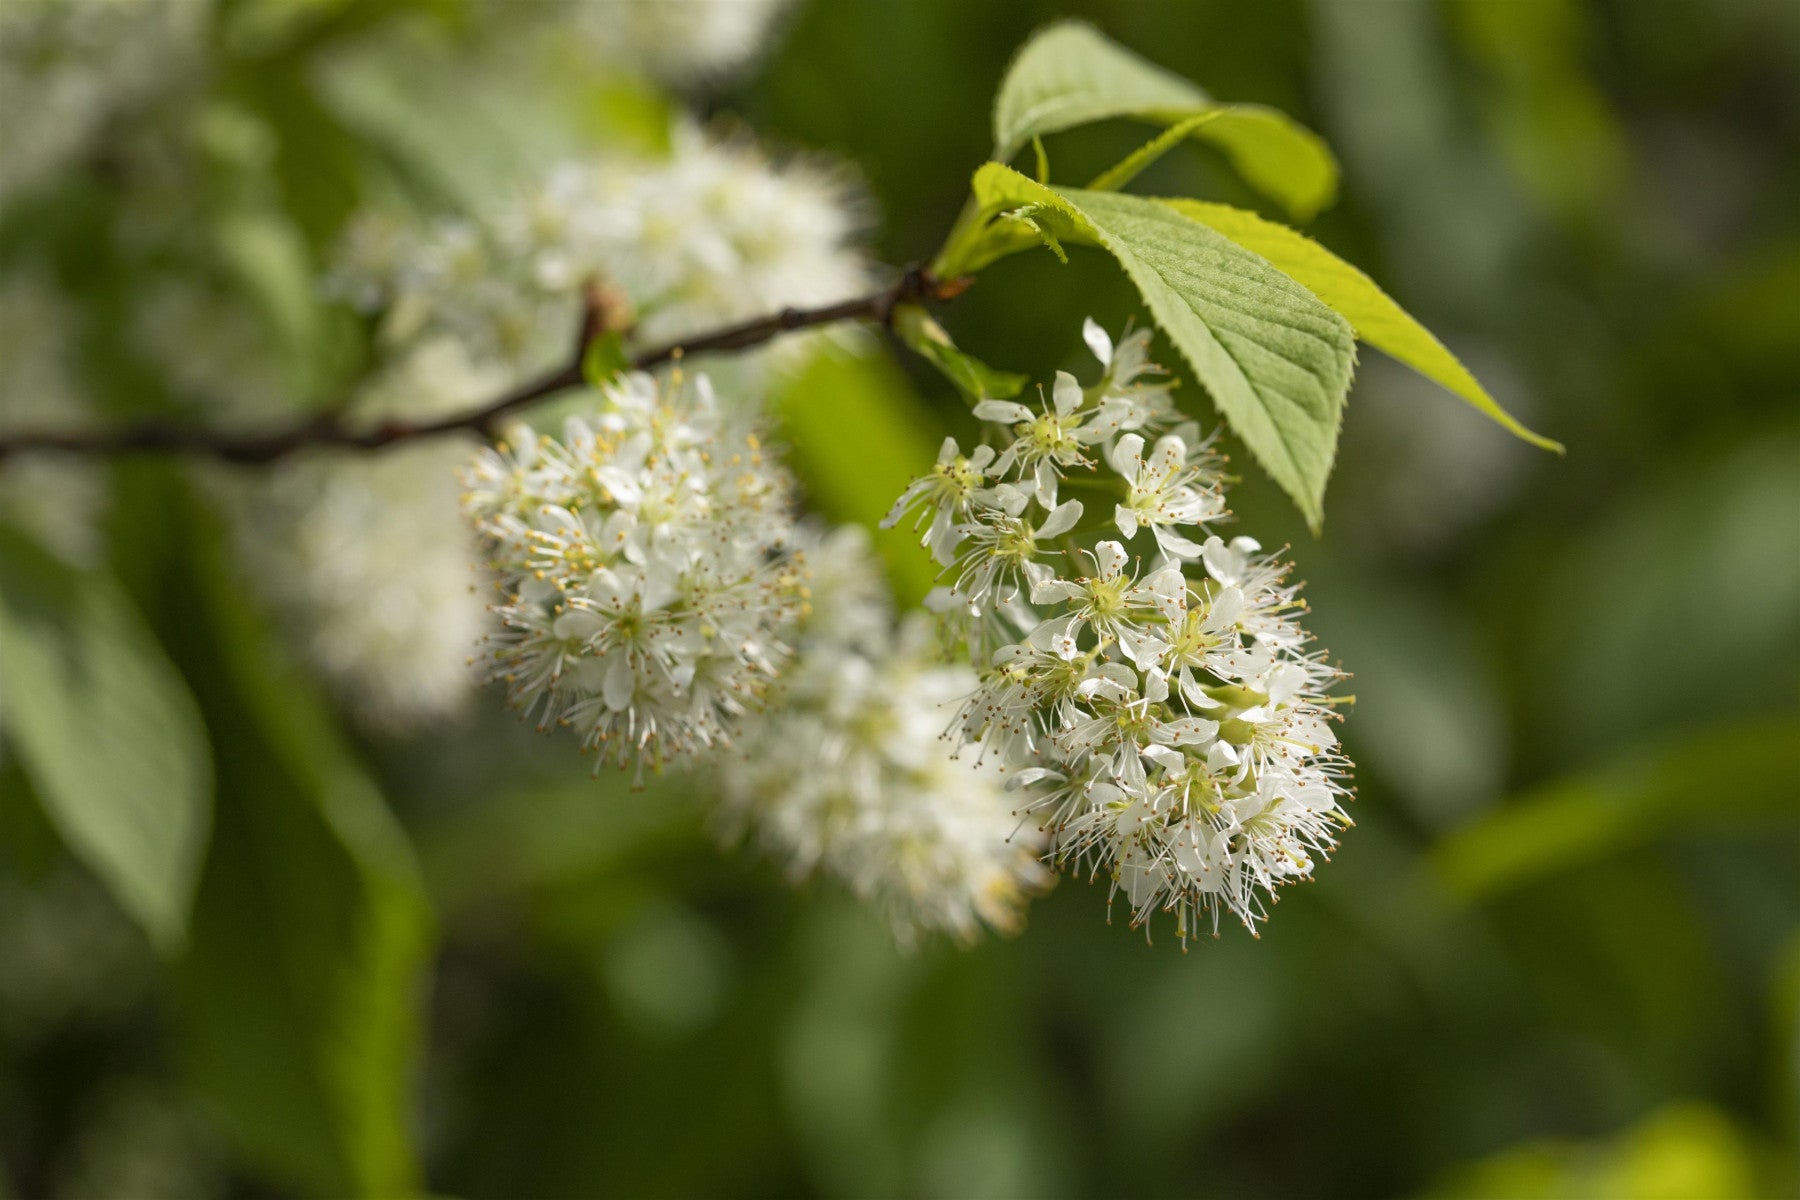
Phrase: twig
(333, 428)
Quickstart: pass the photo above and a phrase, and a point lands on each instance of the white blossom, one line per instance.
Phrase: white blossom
(1157, 709)
(946, 496)
(1136, 390)
(850, 775)
(643, 568)
(373, 572)
(676, 42)
(710, 234)
(68, 68)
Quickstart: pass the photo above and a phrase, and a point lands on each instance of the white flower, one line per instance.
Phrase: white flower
(1046, 442)
(644, 570)
(1134, 389)
(1117, 606)
(848, 773)
(946, 495)
(1003, 549)
(1164, 491)
(1168, 729)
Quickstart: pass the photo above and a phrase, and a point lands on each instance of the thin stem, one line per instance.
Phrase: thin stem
(333, 428)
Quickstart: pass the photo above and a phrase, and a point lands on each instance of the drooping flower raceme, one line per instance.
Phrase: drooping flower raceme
(1144, 681)
(643, 568)
(469, 306)
(850, 775)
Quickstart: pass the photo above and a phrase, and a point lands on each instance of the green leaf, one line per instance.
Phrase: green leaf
(301, 996)
(107, 733)
(1744, 772)
(1374, 315)
(974, 378)
(1069, 74)
(841, 404)
(1133, 164)
(603, 359)
(1276, 361)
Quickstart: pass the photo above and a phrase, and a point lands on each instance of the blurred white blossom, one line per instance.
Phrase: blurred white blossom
(69, 67)
(367, 557)
(1144, 681)
(713, 233)
(375, 573)
(850, 775)
(58, 500)
(675, 42)
(643, 571)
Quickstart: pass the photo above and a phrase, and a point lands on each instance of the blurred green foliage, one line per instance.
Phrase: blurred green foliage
(1558, 956)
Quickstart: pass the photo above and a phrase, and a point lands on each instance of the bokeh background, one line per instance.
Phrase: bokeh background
(1559, 954)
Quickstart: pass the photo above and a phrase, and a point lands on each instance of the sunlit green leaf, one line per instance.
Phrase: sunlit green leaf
(1685, 1150)
(1069, 74)
(1276, 361)
(1374, 315)
(107, 732)
(1742, 772)
(603, 358)
(1133, 164)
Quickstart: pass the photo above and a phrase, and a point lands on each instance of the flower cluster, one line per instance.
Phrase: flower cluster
(68, 69)
(711, 234)
(850, 774)
(1145, 682)
(373, 571)
(676, 42)
(644, 570)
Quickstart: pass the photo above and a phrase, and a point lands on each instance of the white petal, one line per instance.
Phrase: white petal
(620, 683)
(1046, 484)
(943, 536)
(1222, 564)
(1194, 692)
(1227, 606)
(1110, 558)
(1141, 648)
(1067, 394)
(1005, 412)
(1061, 520)
(1191, 731)
(1174, 545)
(1126, 520)
(1156, 686)
(578, 623)
(1059, 636)
(1097, 341)
(1128, 456)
